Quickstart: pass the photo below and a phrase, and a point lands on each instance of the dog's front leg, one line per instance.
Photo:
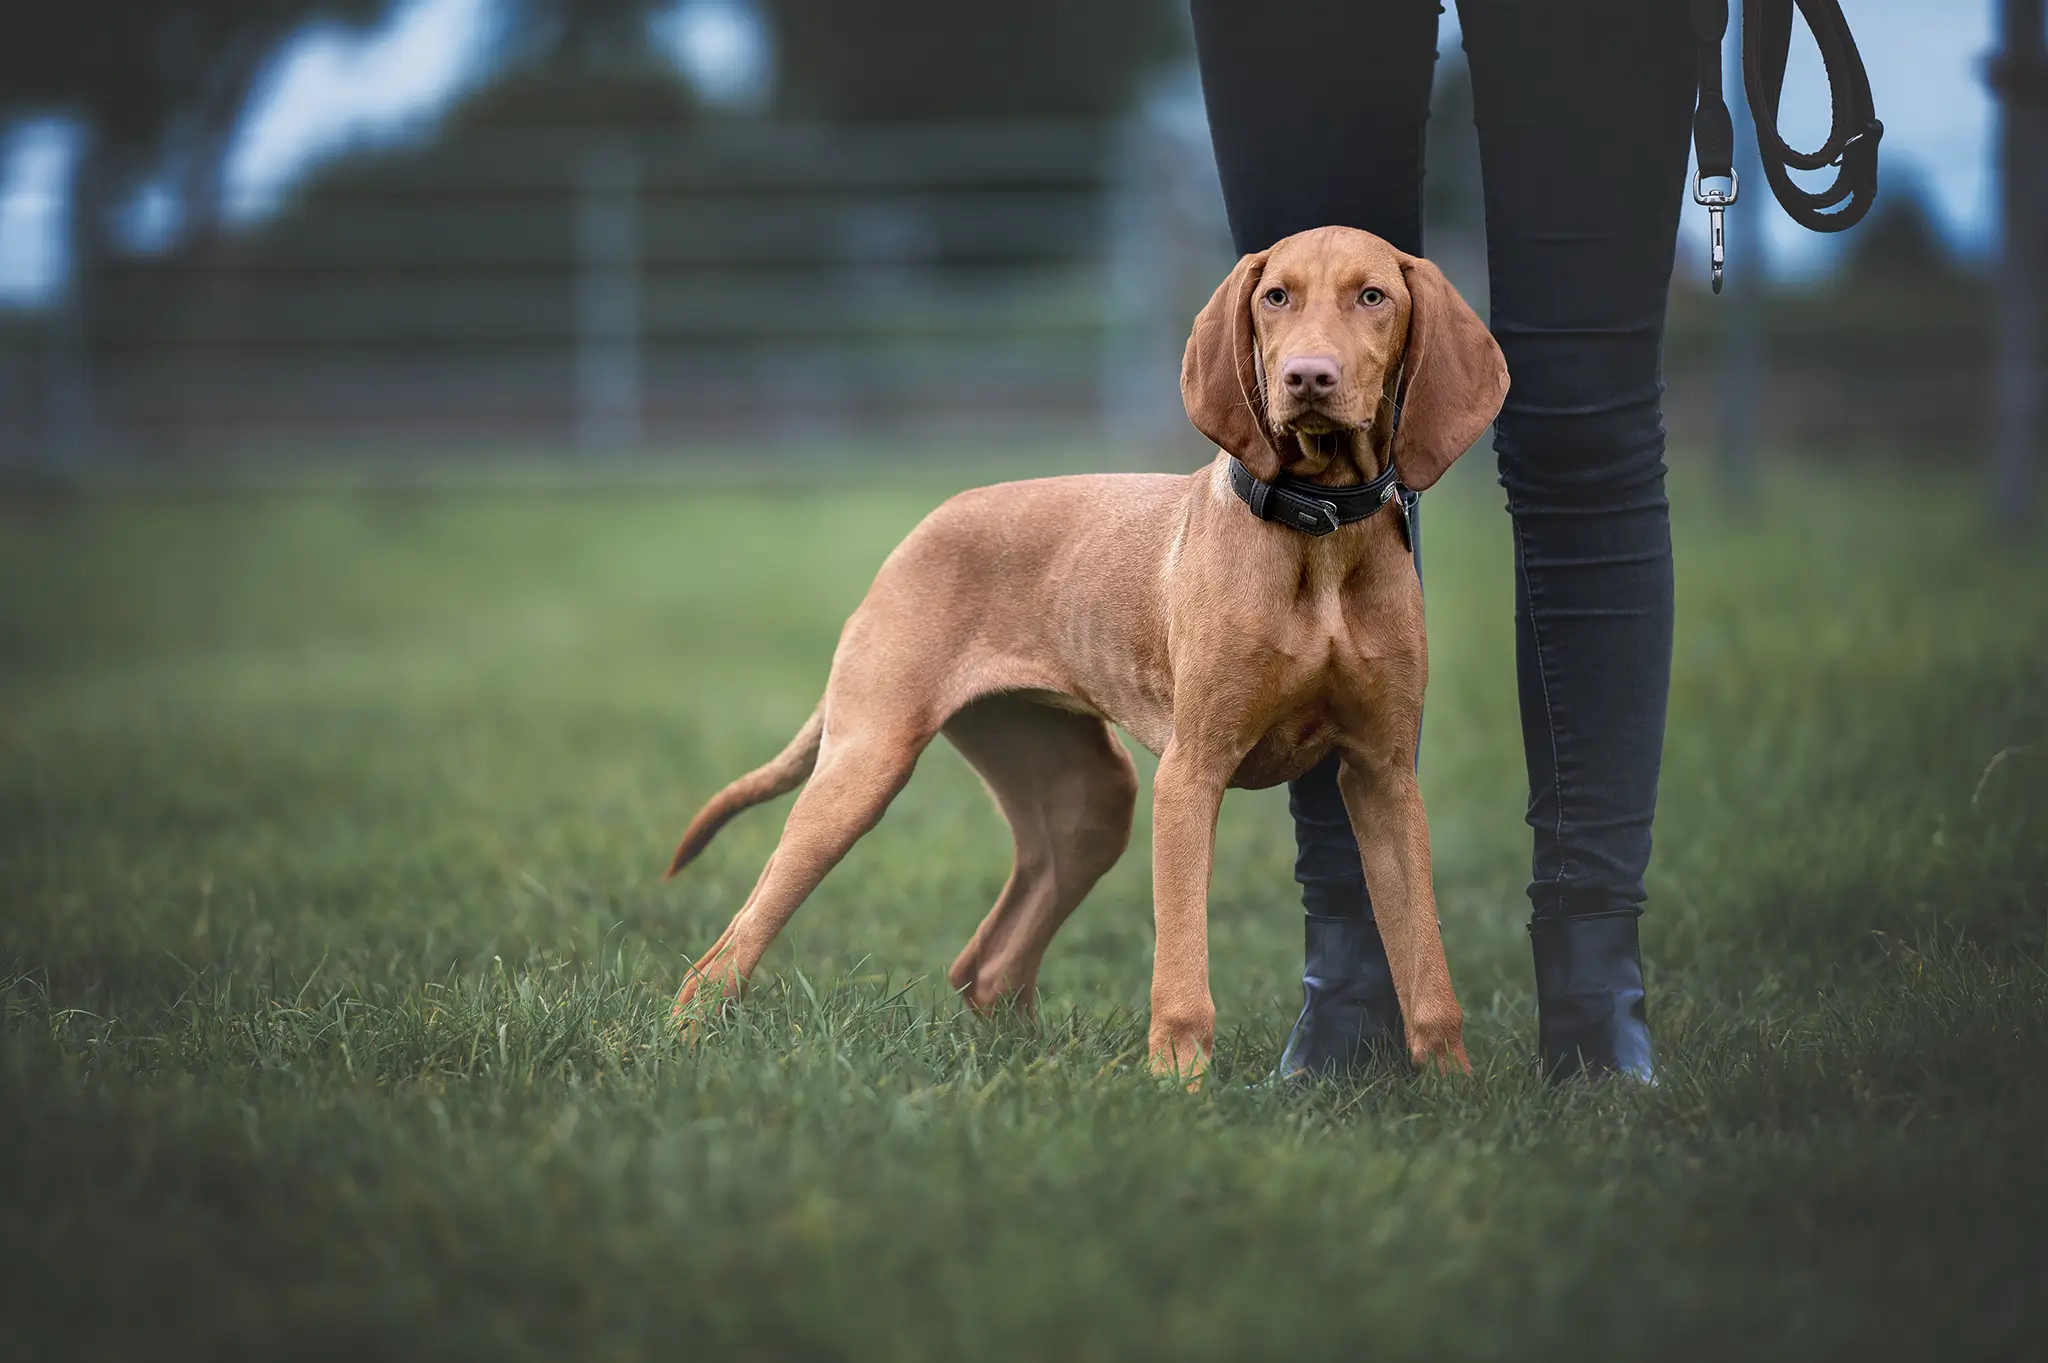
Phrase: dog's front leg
(1385, 806)
(1186, 795)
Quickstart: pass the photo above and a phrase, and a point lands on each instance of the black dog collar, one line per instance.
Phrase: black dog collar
(1312, 508)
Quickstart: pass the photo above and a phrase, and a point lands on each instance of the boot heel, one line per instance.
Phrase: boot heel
(1589, 997)
(1350, 1017)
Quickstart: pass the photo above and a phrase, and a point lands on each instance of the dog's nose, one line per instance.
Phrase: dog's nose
(1309, 376)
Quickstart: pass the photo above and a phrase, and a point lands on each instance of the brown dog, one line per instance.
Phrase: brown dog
(1022, 620)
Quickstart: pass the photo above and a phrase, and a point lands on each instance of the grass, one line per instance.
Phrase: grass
(335, 969)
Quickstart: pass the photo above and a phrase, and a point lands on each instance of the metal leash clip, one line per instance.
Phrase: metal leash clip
(1716, 203)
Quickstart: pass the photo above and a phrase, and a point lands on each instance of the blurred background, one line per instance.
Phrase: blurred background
(440, 441)
(384, 231)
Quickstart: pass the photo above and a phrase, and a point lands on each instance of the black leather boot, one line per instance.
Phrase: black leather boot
(1350, 1017)
(1589, 997)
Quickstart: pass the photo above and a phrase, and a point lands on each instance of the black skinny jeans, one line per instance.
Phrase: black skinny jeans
(1317, 109)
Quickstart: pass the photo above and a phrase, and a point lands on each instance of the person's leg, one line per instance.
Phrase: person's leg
(1317, 109)
(1583, 110)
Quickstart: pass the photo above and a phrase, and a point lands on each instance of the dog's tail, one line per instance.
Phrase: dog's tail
(790, 769)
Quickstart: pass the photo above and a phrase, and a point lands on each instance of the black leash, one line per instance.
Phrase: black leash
(1316, 509)
(1853, 129)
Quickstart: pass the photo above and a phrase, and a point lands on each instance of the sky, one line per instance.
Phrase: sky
(332, 90)
(35, 161)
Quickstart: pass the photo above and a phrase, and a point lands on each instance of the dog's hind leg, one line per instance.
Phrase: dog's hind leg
(855, 780)
(1067, 788)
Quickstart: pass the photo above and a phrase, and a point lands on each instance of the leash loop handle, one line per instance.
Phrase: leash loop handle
(1854, 129)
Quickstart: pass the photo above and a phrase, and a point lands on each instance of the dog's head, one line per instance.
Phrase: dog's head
(1304, 350)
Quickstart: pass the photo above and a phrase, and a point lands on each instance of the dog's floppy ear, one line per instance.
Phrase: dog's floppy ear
(1453, 377)
(1219, 379)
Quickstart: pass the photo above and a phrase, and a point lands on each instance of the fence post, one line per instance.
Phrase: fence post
(1138, 286)
(2018, 72)
(608, 299)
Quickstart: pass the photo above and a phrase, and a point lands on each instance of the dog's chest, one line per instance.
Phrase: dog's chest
(1332, 679)
(1287, 750)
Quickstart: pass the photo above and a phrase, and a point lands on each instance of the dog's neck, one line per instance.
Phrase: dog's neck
(1341, 458)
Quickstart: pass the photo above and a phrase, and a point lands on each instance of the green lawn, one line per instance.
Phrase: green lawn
(336, 965)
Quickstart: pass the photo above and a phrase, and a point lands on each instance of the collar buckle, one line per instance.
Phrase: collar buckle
(1313, 514)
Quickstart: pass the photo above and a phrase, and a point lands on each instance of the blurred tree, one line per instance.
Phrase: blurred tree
(547, 99)
(157, 87)
(576, 65)
(157, 84)
(594, 35)
(939, 59)
(1899, 243)
(897, 59)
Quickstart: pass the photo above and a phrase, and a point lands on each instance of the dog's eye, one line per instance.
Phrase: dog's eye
(1276, 298)
(1372, 298)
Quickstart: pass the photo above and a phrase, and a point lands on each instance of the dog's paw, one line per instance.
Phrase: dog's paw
(706, 994)
(1181, 1050)
(1437, 1041)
